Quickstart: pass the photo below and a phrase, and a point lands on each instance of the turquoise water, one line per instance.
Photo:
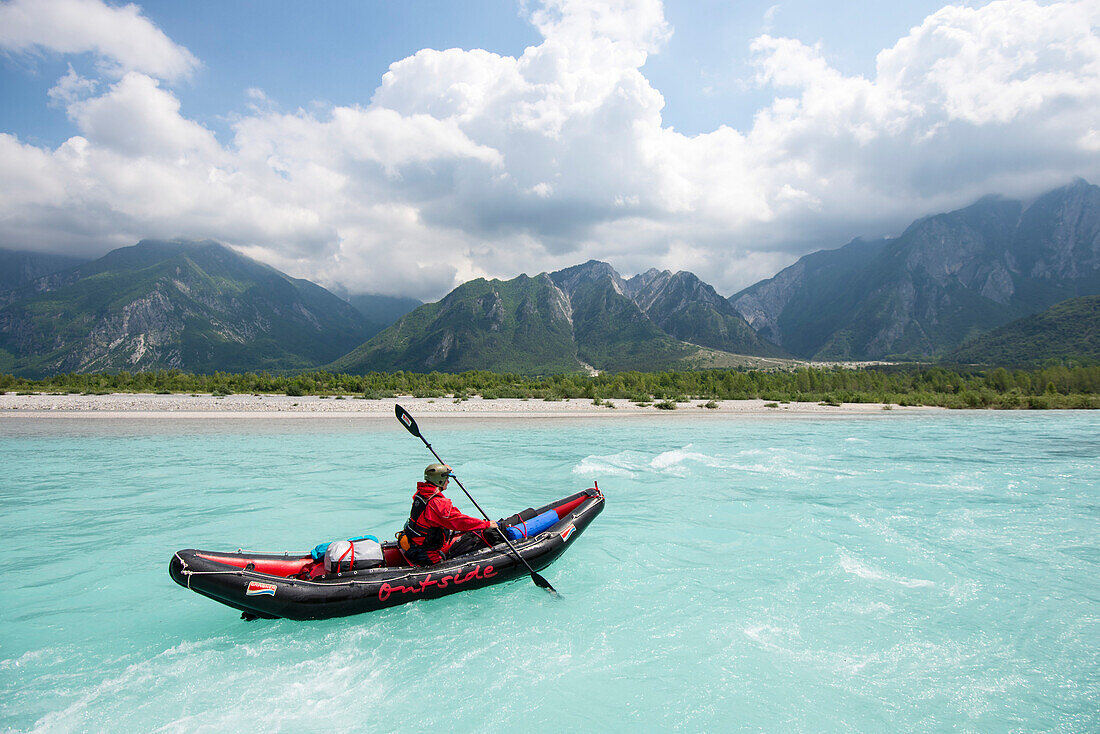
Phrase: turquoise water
(916, 573)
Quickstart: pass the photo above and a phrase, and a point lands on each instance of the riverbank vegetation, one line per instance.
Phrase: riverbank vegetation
(1056, 386)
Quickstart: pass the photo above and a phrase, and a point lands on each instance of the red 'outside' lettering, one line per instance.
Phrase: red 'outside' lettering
(385, 591)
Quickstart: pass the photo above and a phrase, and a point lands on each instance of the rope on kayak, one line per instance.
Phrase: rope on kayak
(286, 554)
(189, 573)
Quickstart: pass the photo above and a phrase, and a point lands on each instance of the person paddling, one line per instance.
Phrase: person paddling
(436, 529)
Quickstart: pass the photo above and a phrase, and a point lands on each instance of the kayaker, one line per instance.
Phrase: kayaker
(436, 529)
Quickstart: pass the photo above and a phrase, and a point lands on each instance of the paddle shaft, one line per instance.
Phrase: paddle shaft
(407, 420)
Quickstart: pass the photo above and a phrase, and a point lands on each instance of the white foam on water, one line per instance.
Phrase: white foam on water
(875, 607)
(790, 645)
(618, 465)
(883, 529)
(675, 457)
(978, 697)
(672, 462)
(679, 462)
(44, 655)
(767, 635)
(288, 686)
(857, 568)
(964, 590)
(867, 608)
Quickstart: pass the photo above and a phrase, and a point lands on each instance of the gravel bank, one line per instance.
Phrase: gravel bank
(274, 405)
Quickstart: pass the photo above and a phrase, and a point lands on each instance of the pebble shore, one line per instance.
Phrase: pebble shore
(183, 405)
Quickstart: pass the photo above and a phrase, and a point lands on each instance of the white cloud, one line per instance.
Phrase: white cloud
(1000, 62)
(769, 17)
(71, 88)
(467, 163)
(972, 101)
(137, 118)
(121, 37)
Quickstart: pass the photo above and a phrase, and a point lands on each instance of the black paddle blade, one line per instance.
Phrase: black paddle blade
(544, 584)
(406, 420)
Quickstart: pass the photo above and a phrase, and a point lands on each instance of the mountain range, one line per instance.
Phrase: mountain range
(197, 306)
(951, 286)
(945, 279)
(584, 317)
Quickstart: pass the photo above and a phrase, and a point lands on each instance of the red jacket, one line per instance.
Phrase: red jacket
(440, 513)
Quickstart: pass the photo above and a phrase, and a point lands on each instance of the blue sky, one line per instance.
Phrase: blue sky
(727, 138)
(335, 53)
(330, 52)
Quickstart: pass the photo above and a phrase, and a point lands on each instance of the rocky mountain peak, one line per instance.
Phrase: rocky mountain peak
(173, 303)
(570, 279)
(647, 281)
(1059, 234)
(653, 285)
(945, 278)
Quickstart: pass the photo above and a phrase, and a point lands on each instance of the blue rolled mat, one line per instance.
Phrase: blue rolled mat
(534, 526)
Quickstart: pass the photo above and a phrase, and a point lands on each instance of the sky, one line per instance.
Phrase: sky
(403, 148)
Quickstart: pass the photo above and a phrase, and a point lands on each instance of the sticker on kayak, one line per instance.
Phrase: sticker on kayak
(255, 588)
(565, 534)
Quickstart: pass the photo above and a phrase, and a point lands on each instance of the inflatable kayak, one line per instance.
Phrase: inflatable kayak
(271, 586)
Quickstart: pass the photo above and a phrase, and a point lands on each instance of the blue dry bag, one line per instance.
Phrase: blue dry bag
(534, 526)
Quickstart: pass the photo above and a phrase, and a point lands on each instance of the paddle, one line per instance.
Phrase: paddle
(410, 424)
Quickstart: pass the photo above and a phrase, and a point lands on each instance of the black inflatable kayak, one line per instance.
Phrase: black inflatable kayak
(271, 586)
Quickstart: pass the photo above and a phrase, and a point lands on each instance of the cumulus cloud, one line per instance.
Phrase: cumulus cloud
(972, 101)
(70, 88)
(121, 37)
(467, 163)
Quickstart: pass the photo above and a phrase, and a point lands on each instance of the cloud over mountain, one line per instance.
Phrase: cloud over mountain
(466, 163)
